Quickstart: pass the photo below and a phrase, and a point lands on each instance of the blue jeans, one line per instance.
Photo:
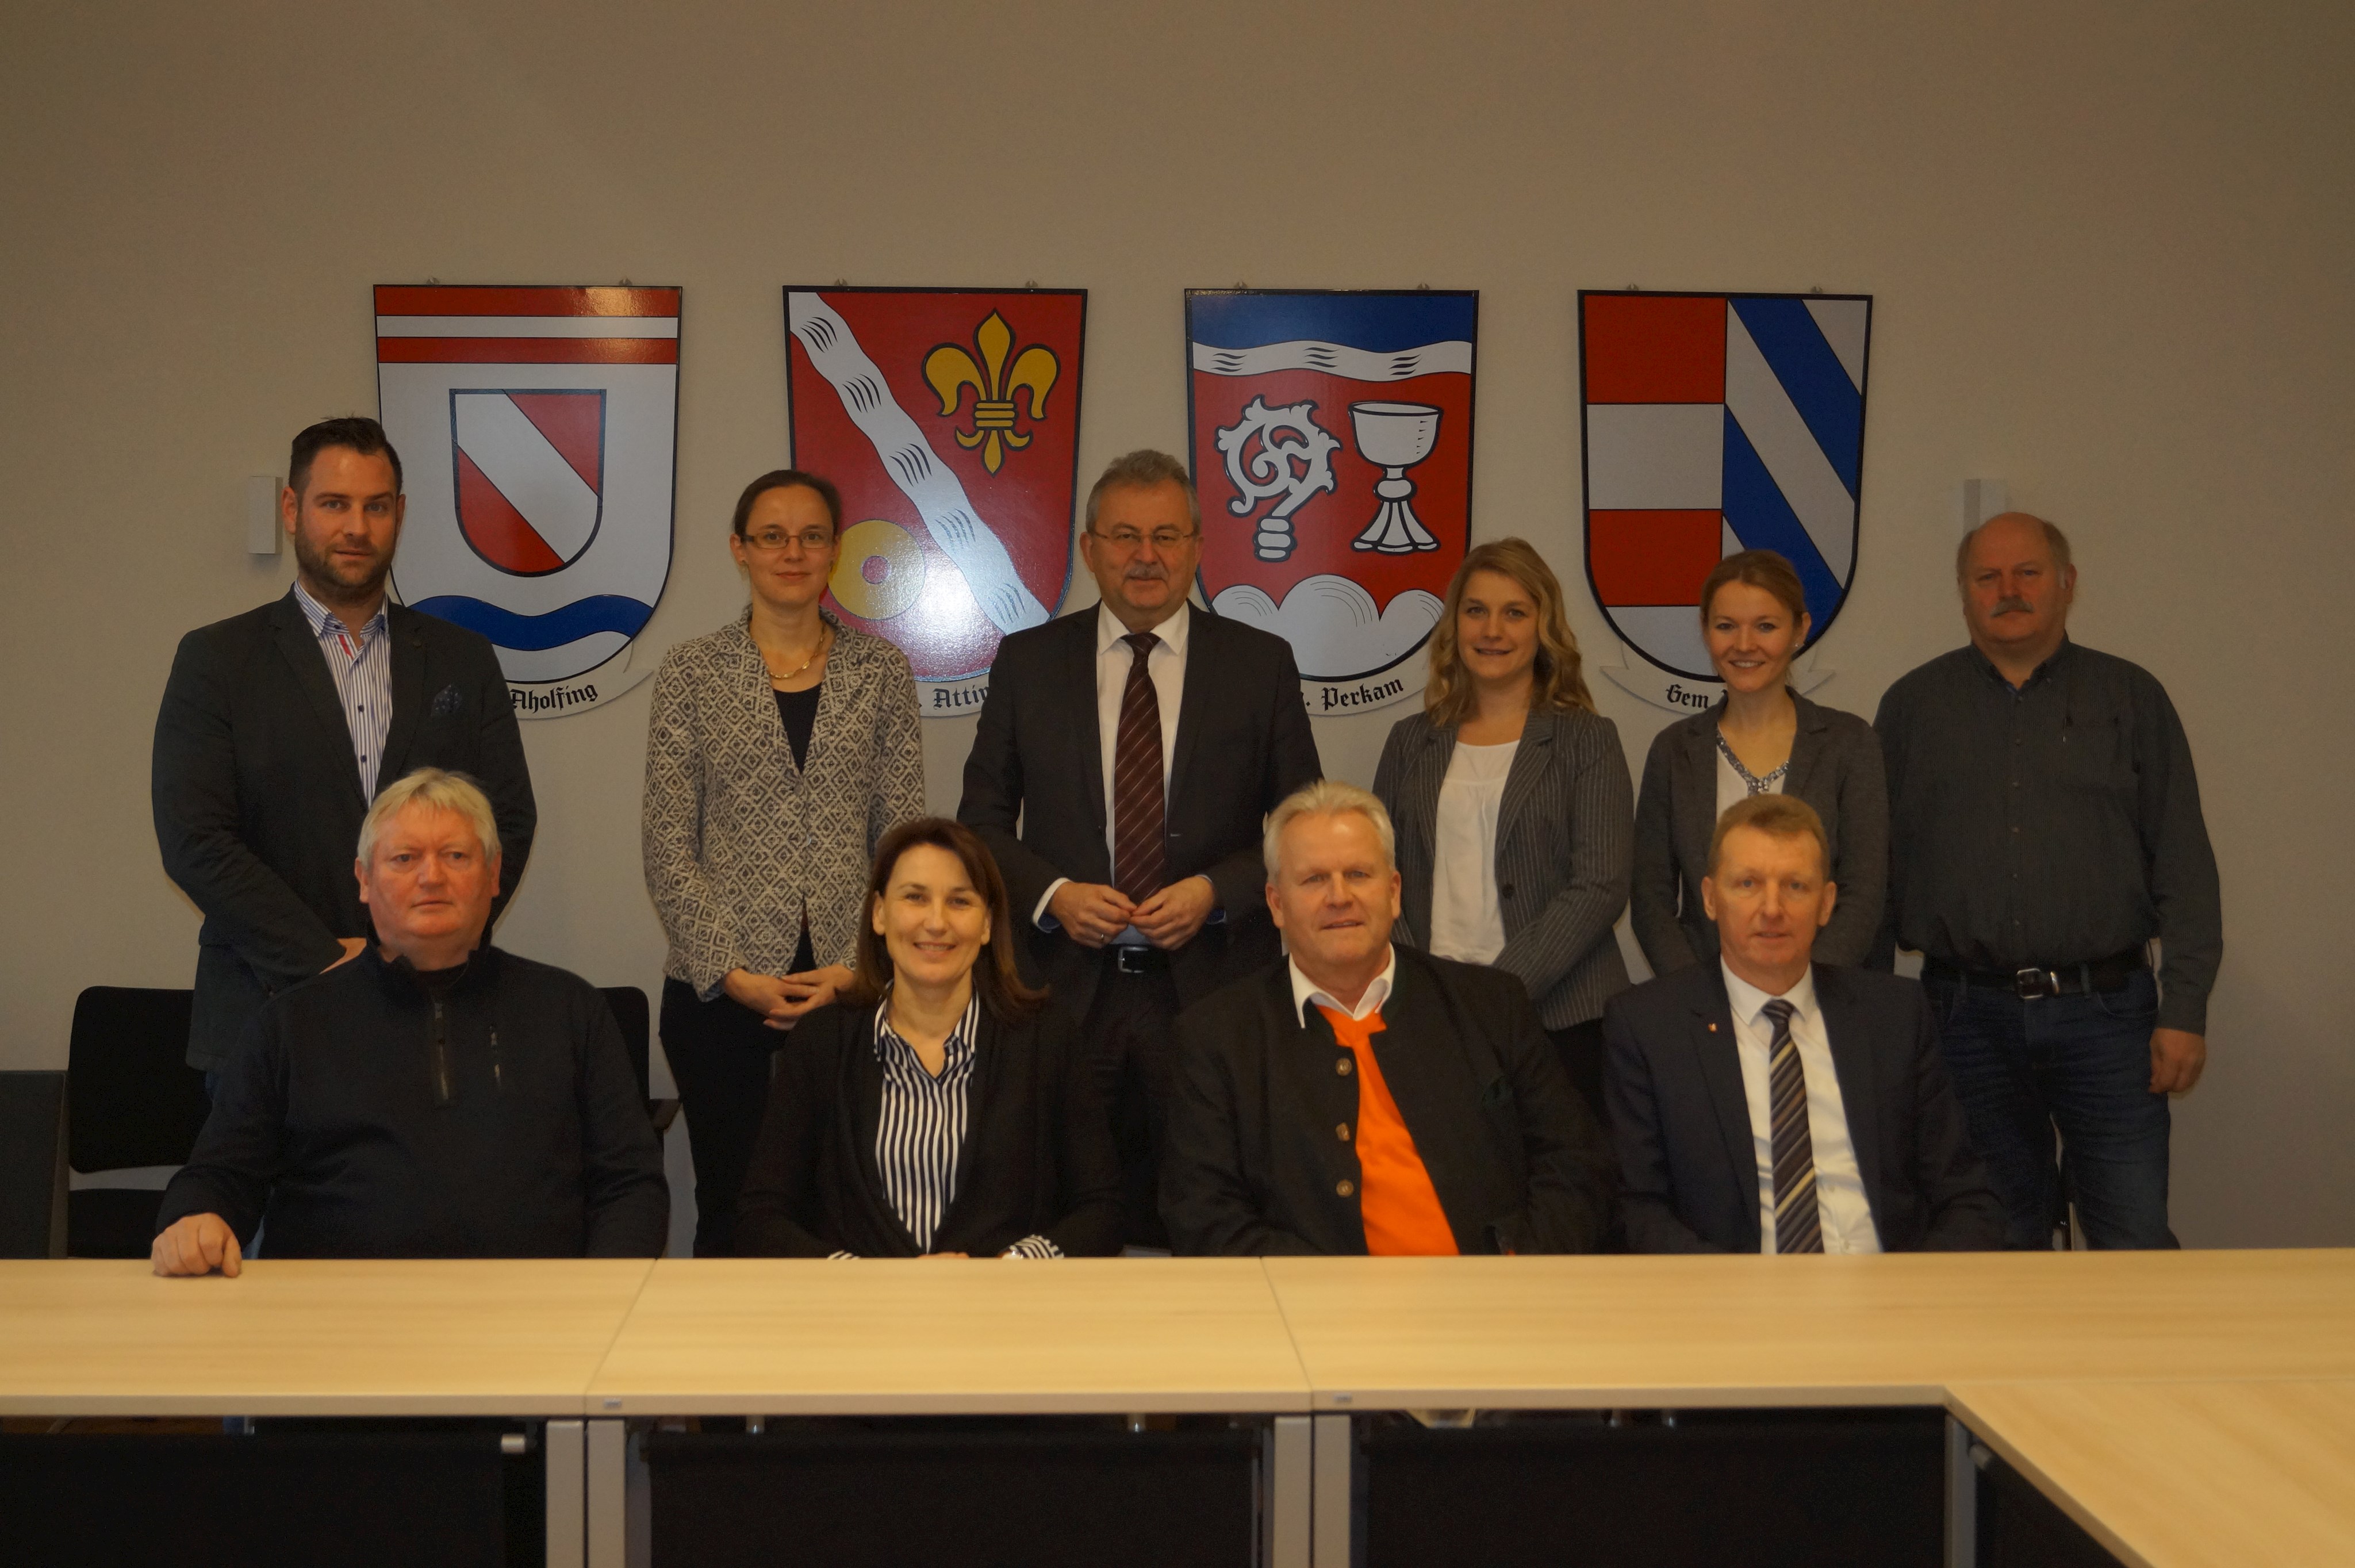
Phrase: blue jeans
(2079, 1064)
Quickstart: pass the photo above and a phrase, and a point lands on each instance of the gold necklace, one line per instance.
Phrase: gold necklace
(824, 632)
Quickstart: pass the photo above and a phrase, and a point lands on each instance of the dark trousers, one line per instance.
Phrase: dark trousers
(721, 1054)
(2080, 1066)
(1581, 1049)
(1129, 1041)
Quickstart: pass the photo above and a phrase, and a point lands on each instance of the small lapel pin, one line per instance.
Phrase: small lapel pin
(1712, 1029)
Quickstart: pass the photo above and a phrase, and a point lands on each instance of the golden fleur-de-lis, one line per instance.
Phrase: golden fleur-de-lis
(951, 369)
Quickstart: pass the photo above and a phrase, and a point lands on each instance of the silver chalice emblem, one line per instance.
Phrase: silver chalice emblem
(1397, 436)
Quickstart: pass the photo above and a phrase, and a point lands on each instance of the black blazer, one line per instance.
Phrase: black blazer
(1835, 767)
(1038, 1157)
(257, 795)
(1688, 1166)
(1034, 787)
(1253, 1165)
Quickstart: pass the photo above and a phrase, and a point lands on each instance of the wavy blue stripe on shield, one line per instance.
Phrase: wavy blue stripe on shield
(1812, 375)
(1383, 322)
(530, 634)
(1762, 520)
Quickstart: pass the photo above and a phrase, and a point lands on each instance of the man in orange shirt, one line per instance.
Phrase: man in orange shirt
(1360, 1097)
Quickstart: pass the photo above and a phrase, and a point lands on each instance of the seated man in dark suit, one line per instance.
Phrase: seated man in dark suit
(1357, 1097)
(1766, 1103)
(432, 1098)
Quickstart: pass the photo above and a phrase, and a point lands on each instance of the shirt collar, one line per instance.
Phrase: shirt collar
(323, 619)
(1110, 629)
(1306, 990)
(1986, 665)
(954, 1050)
(1748, 1001)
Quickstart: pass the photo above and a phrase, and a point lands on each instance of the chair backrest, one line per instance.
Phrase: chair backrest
(632, 1017)
(133, 1098)
(32, 1164)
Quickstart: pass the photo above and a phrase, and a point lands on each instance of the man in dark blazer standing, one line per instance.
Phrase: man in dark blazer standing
(1767, 1102)
(1125, 758)
(279, 725)
(1357, 1097)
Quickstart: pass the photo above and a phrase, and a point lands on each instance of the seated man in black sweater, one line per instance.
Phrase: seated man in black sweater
(427, 1097)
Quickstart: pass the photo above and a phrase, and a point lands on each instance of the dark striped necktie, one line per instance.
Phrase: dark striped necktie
(1799, 1228)
(1137, 864)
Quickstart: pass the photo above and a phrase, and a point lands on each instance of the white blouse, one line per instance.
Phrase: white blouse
(1467, 922)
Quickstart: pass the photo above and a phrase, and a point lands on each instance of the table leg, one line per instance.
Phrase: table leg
(1329, 1540)
(1290, 1493)
(1962, 1497)
(607, 1495)
(565, 1447)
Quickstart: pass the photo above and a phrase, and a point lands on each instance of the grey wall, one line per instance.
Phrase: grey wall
(2107, 242)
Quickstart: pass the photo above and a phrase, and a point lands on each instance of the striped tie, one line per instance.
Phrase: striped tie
(1138, 866)
(1799, 1228)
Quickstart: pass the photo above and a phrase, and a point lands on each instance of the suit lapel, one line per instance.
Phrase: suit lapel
(1697, 775)
(1717, 1055)
(1850, 1036)
(1079, 666)
(861, 1112)
(1806, 745)
(1201, 675)
(410, 695)
(1530, 763)
(299, 647)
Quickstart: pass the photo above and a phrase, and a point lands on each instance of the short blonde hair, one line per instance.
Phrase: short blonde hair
(436, 789)
(1777, 817)
(1327, 797)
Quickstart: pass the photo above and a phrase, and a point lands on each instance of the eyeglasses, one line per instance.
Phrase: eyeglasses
(770, 540)
(1126, 540)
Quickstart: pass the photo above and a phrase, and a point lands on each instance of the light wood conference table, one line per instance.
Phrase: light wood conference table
(2143, 1356)
(2185, 1475)
(777, 1337)
(1408, 1333)
(89, 1337)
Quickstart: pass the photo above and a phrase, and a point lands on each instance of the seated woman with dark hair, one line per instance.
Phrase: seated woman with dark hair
(937, 1110)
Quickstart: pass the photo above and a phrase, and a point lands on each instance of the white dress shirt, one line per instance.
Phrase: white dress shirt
(1306, 990)
(1840, 1202)
(1467, 923)
(1166, 667)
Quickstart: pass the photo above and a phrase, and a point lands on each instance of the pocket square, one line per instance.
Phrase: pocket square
(448, 700)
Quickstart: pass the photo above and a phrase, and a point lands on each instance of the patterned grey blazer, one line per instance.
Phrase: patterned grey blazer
(1563, 834)
(737, 839)
(1835, 767)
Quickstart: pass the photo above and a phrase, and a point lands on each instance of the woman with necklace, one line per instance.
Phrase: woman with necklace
(1509, 796)
(781, 749)
(1761, 737)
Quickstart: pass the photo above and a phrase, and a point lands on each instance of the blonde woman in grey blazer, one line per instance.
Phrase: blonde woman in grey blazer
(781, 749)
(1761, 737)
(1509, 796)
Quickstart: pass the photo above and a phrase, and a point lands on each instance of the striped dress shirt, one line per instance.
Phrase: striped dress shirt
(922, 1130)
(362, 669)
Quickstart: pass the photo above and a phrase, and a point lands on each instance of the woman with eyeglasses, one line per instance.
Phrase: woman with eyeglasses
(782, 748)
(937, 1109)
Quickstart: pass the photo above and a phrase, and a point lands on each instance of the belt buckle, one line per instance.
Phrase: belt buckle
(2029, 985)
(1129, 958)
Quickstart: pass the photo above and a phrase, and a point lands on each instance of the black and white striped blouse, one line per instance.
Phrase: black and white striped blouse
(921, 1130)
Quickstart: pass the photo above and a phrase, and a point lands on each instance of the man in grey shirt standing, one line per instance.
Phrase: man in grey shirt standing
(2045, 826)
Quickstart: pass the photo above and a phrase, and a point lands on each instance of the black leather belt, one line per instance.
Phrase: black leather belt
(1128, 958)
(2109, 974)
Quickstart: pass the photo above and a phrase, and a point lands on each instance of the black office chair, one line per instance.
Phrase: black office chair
(32, 1165)
(631, 1015)
(131, 1101)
